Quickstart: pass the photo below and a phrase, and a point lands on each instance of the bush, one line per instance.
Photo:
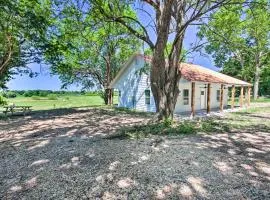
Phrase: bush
(52, 97)
(164, 128)
(28, 93)
(91, 94)
(168, 122)
(186, 128)
(10, 94)
(2, 101)
(44, 93)
(35, 97)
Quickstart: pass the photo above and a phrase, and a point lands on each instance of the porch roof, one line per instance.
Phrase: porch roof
(192, 72)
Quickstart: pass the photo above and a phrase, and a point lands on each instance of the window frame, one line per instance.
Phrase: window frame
(218, 95)
(186, 97)
(147, 97)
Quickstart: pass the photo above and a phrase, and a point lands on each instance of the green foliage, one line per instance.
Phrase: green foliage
(162, 129)
(9, 94)
(23, 25)
(239, 40)
(82, 47)
(167, 122)
(35, 97)
(52, 97)
(2, 101)
(186, 128)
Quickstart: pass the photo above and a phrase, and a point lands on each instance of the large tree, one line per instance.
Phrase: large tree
(239, 40)
(169, 21)
(23, 26)
(88, 51)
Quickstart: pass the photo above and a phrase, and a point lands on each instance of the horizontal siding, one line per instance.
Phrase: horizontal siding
(132, 85)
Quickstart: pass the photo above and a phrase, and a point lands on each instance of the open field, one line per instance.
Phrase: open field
(68, 154)
(62, 101)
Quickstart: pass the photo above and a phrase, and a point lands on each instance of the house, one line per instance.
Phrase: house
(200, 88)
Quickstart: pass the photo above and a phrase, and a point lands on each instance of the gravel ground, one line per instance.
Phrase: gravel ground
(62, 156)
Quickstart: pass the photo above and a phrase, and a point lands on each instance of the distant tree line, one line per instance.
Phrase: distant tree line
(45, 93)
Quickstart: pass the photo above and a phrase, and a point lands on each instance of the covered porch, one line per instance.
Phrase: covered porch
(197, 74)
(234, 102)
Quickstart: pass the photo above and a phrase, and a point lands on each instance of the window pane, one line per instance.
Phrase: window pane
(147, 97)
(186, 97)
(218, 95)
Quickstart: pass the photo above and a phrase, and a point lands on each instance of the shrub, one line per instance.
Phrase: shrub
(44, 93)
(52, 97)
(10, 94)
(35, 97)
(2, 101)
(168, 122)
(186, 128)
(28, 93)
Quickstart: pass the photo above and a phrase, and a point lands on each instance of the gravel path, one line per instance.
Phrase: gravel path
(62, 156)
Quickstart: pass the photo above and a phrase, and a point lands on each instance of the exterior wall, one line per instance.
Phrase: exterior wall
(199, 86)
(132, 85)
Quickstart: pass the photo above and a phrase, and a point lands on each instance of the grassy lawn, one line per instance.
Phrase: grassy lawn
(62, 101)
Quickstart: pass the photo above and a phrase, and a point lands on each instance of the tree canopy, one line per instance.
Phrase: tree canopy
(239, 40)
(87, 51)
(23, 26)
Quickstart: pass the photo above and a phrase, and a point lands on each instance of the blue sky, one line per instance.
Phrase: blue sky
(47, 81)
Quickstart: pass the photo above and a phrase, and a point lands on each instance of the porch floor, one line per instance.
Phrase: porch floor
(202, 113)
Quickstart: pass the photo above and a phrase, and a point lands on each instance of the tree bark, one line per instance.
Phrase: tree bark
(108, 91)
(256, 82)
(165, 74)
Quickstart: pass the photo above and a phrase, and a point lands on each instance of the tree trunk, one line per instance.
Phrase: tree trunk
(108, 91)
(165, 77)
(256, 81)
(108, 96)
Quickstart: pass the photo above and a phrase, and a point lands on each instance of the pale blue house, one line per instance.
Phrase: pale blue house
(133, 84)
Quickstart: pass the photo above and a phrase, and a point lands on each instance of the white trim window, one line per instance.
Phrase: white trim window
(218, 95)
(147, 97)
(186, 97)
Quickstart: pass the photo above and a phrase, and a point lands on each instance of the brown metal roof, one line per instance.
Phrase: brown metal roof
(192, 72)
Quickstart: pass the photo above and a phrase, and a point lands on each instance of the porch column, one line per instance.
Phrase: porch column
(208, 97)
(233, 95)
(241, 96)
(192, 99)
(221, 97)
(248, 97)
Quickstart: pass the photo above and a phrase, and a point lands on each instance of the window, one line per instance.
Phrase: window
(218, 95)
(186, 97)
(147, 97)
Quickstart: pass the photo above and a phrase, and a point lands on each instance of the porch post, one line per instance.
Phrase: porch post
(233, 94)
(208, 97)
(241, 96)
(221, 97)
(192, 99)
(249, 91)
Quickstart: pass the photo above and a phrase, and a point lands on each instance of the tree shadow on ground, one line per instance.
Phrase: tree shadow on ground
(64, 157)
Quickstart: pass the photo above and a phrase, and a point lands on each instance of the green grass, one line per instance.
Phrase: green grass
(252, 119)
(61, 101)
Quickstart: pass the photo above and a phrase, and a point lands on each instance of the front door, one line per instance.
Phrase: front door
(202, 99)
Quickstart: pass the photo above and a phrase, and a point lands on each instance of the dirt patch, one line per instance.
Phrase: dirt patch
(61, 156)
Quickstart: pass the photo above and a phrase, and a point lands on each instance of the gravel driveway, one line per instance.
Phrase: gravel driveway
(62, 156)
